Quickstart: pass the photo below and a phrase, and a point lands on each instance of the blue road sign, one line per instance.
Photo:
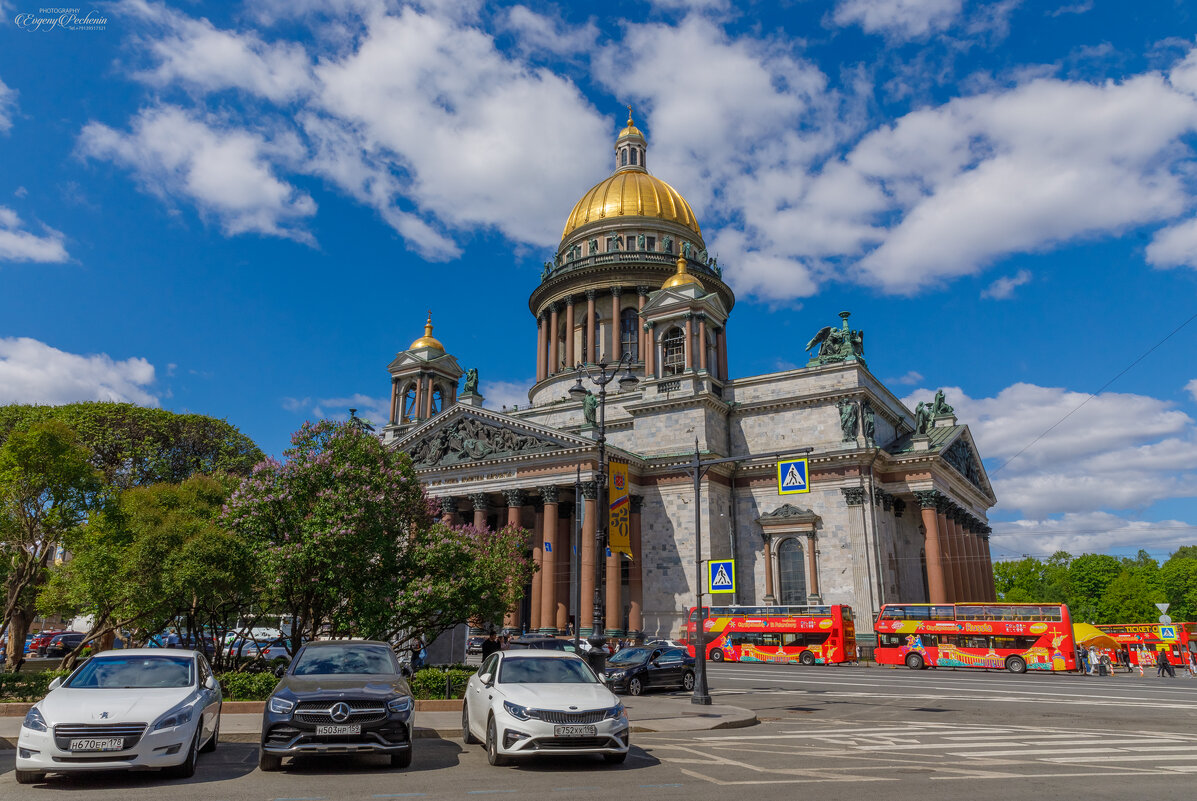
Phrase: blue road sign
(548, 547)
(721, 575)
(792, 477)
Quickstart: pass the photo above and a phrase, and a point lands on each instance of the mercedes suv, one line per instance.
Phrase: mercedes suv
(339, 697)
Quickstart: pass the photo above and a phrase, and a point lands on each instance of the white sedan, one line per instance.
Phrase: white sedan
(534, 702)
(141, 708)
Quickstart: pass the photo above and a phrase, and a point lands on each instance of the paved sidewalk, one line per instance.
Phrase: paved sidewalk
(660, 713)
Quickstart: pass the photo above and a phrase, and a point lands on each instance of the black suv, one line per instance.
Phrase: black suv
(339, 697)
(634, 670)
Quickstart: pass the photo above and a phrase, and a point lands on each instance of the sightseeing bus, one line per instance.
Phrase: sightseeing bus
(1017, 637)
(810, 635)
(1143, 640)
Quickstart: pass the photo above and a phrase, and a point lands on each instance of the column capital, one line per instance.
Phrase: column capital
(589, 490)
(700, 316)
(854, 496)
(479, 501)
(591, 294)
(568, 300)
(616, 291)
(549, 494)
(637, 503)
(942, 504)
(541, 316)
(554, 307)
(927, 499)
(515, 497)
(689, 315)
(643, 290)
(449, 505)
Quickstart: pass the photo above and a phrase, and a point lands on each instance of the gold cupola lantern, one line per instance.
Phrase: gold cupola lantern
(681, 277)
(428, 340)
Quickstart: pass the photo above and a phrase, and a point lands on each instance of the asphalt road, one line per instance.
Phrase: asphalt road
(834, 732)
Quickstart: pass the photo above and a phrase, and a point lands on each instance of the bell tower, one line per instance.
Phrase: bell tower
(423, 383)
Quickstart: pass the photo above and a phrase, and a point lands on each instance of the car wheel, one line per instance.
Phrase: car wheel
(467, 736)
(210, 746)
(806, 658)
(29, 776)
(914, 662)
(717, 655)
(688, 680)
(268, 763)
(401, 759)
(186, 769)
(492, 745)
(1016, 664)
(635, 687)
(615, 759)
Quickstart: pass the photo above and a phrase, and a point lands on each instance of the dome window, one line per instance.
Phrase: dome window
(673, 352)
(633, 157)
(629, 333)
(623, 157)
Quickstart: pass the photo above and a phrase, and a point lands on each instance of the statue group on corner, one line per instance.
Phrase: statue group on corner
(925, 413)
(837, 344)
(471, 382)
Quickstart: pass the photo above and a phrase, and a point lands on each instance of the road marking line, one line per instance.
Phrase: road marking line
(1126, 758)
(400, 795)
(1025, 752)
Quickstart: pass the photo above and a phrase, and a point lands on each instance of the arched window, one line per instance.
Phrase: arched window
(673, 352)
(634, 151)
(629, 333)
(623, 157)
(438, 400)
(409, 403)
(791, 574)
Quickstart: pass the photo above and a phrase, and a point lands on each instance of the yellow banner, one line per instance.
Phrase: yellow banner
(619, 535)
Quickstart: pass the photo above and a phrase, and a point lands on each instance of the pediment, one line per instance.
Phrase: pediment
(444, 364)
(467, 435)
(788, 513)
(961, 453)
(668, 299)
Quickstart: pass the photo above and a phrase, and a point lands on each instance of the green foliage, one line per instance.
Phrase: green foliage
(247, 686)
(27, 685)
(429, 683)
(132, 445)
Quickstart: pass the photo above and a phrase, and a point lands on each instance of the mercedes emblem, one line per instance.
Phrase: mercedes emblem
(339, 712)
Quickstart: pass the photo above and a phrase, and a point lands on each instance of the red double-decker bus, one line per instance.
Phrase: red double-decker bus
(1143, 641)
(810, 635)
(1017, 637)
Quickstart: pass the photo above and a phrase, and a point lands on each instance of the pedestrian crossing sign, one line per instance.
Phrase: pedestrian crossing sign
(792, 477)
(721, 575)
(1167, 632)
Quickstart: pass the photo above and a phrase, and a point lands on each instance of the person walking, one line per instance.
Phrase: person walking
(1163, 665)
(490, 645)
(1082, 659)
(1192, 664)
(1094, 659)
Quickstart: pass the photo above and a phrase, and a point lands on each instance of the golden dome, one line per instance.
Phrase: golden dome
(630, 129)
(681, 277)
(631, 193)
(428, 340)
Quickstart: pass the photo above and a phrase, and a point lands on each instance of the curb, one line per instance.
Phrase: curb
(18, 709)
(10, 743)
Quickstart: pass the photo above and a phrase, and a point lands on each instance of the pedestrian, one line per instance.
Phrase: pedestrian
(1083, 659)
(1193, 664)
(1124, 658)
(490, 645)
(1094, 659)
(1163, 665)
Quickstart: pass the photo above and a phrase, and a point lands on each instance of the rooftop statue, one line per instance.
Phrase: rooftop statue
(471, 382)
(837, 344)
(940, 407)
(922, 418)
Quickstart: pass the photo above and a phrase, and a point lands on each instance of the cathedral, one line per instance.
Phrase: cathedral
(897, 500)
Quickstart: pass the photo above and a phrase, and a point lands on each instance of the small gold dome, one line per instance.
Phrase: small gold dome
(428, 340)
(630, 129)
(681, 277)
(631, 193)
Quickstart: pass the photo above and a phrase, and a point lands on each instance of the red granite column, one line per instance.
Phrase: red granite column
(948, 540)
(427, 397)
(689, 341)
(569, 333)
(635, 572)
(650, 354)
(449, 511)
(394, 401)
(480, 509)
(548, 585)
(592, 329)
(589, 519)
(564, 547)
(961, 576)
(723, 353)
(417, 409)
(812, 565)
(515, 508)
(936, 586)
(642, 291)
(540, 347)
(616, 292)
(553, 365)
(989, 585)
(769, 596)
(702, 342)
(538, 580)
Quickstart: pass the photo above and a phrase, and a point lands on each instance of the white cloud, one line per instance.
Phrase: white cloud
(34, 372)
(1090, 532)
(505, 393)
(376, 410)
(910, 379)
(227, 172)
(899, 19)
(8, 106)
(1003, 288)
(1175, 246)
(23, 246)
(1115, 452)
(537, 32)
(1073, 8)
(1191, 388)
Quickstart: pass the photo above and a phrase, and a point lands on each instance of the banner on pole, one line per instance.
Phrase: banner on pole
(619, 535)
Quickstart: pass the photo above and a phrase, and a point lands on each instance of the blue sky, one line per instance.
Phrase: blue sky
(245, 210)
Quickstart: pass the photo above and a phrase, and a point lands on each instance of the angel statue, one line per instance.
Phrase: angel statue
(837, 344)
(471, 382)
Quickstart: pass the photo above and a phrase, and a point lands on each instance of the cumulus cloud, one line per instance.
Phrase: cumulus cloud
(1174, 246)
(1191, 388)
(505, 393)
(538, 32)
(227, 172)
(1091, 532)
(899, 19)
(376, 410)
(34, 372)
(8, 106)
(1003, 288)
(910, 379)
(21, 245)
(1116, 451)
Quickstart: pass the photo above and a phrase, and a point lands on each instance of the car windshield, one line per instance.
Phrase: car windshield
(124, 672)
(630, 656)
(530, 670)
(326, 660)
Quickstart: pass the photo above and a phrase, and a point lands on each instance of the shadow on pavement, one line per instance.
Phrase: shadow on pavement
(231, 761)
(430, 754)
(638, 759)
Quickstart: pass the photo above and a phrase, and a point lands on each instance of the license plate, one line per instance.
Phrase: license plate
(339, 729)
(109, 744)
(574, 731)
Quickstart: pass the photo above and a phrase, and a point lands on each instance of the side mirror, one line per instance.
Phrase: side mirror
(212, 683)
(604, 678)
(485, 678)
(280, 671)
(54, 685)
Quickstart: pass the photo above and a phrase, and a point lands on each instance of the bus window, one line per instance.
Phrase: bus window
(893, 613)
(970, 612)
(846, 611)
(943, 613)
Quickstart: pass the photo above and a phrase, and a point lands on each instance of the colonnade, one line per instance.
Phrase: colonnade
(959, 565)
(552, 548)
(424, 384)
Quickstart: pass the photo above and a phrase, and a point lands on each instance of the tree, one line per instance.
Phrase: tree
(1088, 576)
(1019, 581)
(132, 445)
(346, 538)
(1178, 581)
(47, 485)
(1130, 598)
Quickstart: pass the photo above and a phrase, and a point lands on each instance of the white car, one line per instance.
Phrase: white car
(534, 702)
(139, 708)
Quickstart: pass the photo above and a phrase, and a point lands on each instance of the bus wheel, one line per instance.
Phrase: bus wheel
(1016, 664)
(914, 662)
(806, 658)
(717, 655)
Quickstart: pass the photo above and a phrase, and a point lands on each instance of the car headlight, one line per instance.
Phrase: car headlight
(281, 706)
(616, 674)
(516, 711)
(403, 703)
(614, 713)
(34, 720)
(176, 717)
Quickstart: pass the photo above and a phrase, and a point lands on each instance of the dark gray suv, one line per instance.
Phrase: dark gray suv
(339, 697)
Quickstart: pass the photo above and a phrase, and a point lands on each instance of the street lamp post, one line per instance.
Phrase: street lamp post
(601, 377)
